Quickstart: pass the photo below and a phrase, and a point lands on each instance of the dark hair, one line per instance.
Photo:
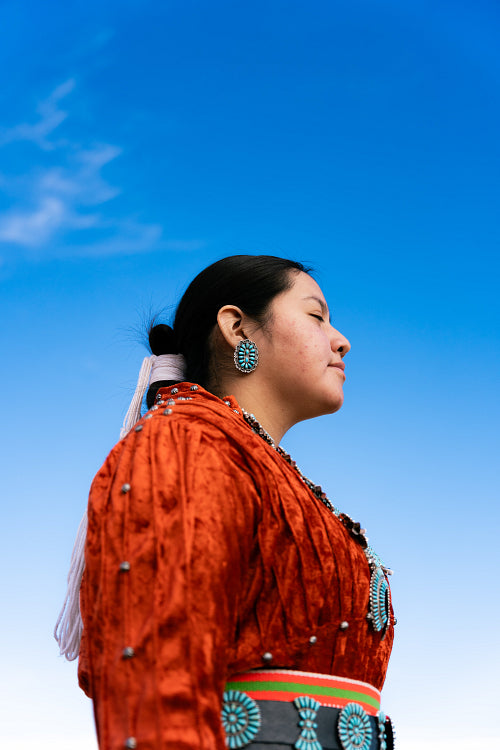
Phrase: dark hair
(250, 282)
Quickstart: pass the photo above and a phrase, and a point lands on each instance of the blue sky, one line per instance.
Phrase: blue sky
(140, 142)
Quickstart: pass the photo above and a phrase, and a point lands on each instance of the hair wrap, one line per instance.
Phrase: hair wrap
(153, 369)
(168, 367)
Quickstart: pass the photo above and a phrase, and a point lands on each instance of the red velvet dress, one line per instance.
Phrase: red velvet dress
(229, 556)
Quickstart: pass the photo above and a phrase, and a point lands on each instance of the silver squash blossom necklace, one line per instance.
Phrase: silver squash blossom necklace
(379, 614)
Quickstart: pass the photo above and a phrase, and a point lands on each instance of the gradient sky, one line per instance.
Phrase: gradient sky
(141, 141)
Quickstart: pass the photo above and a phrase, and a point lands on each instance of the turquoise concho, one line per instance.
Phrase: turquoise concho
(246, 356)
(382, 744)
(307, 708)
(355, 732)
(380, 598)
(240, 718)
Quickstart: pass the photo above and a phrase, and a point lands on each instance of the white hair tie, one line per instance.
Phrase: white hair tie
(168, 367)
(69, 626)
(163, 367)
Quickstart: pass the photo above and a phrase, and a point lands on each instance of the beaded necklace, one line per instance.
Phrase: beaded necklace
(380, 595)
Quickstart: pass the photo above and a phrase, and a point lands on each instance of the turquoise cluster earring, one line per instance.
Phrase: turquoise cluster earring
(246, 356)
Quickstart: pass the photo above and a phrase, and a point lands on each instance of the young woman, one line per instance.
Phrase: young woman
(225, 600)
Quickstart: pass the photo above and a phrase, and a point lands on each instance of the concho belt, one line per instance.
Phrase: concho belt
(282, 708)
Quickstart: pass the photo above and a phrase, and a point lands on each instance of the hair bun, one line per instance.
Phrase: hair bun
(162, 340)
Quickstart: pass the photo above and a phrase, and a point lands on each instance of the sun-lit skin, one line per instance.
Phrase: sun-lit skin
(300, 374)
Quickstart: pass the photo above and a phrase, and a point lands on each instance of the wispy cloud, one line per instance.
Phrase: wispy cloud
(59, 198)
(51, 116)
(32, 228)
(82, 180)
(51, 203)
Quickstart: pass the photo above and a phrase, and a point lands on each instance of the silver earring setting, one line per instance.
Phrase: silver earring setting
(246, 356)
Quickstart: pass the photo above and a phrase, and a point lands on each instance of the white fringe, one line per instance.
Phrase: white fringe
(69, 625)
(134, 410)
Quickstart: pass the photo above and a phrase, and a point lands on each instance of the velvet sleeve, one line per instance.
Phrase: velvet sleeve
(173, 517)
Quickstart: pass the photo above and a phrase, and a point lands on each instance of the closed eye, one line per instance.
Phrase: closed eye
(318, 317)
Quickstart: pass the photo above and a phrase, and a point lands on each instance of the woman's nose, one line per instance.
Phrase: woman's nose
(340, 343)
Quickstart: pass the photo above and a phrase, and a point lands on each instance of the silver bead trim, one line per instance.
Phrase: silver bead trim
(167, 412)
(124, 566)
(344, 625)
(131, 743)
(138, 428)
(170, 402)
(128, 652)
(313, 639)
(194, 388)
(267, 656)
(389, 721)
(174, 391)
(125, 488)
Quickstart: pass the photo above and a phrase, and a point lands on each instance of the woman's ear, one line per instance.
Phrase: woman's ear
(230, 320)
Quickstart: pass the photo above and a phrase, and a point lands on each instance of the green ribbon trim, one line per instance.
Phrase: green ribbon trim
(305, 689)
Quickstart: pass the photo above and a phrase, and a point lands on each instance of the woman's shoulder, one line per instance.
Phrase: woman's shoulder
(187, 426)
(188, 413)
(189, 441)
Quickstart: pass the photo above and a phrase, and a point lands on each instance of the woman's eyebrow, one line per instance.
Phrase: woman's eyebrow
(324, 308)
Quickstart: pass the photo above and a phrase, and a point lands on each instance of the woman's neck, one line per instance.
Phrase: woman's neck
(257, 399)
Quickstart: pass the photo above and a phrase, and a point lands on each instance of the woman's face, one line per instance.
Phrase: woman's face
(300, 352)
